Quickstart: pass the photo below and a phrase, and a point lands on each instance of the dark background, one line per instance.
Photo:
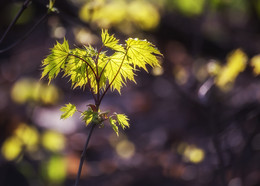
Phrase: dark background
(186, 130)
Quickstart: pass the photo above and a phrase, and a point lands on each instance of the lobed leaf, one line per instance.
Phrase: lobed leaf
(118, 71)
(68, 111)
(79, 67)
(54, 62)
(142, 52)
(111, 42)
(122, 120)
(88, 116)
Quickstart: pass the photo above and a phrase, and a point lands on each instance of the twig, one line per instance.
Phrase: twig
(83, 155)
(107, 88)
(25, 36)
(24, 6)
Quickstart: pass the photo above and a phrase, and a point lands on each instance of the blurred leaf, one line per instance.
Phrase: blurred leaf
(68, 111)
(28, 135)
(125, 15)
(53, 141)
(144, 14)
(236, 63)
(11, 148)
(56, 169)
(190, 7)
(255, 63)
(30, 90)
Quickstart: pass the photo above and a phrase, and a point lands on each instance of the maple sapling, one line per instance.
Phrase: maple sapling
(96, 70)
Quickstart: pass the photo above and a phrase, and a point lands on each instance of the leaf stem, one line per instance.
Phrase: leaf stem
(89, 85)
(107, 88)
(83, 155)
(98, 76)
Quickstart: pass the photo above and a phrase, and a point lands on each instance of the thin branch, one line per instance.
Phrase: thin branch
(24, 6)
(25, 36)
(114, 77)
(83, 155)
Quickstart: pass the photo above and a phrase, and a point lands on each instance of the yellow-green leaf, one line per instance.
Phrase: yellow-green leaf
(118, 70)
(236, 63)
(54, 62)
(255, 63)
(68, 111)
(122, 120)
(111, 42)
(142, 52)
(113, 125)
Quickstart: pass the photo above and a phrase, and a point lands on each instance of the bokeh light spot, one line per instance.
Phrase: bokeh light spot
(125, 149)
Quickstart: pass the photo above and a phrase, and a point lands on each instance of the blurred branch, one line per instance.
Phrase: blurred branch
(25, 35)
(24, 6)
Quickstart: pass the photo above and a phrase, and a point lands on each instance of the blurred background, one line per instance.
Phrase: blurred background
(194, 122)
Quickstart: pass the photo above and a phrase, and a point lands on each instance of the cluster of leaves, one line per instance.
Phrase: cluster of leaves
(94, 69)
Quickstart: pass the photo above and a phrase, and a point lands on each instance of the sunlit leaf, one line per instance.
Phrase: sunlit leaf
(89, 116)
(54, 62)
(118, 70)
(142, 52)
(122, 120)
(113, 125)
(110, 41)
(68, 111)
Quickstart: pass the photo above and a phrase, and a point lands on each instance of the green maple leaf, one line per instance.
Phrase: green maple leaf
(88, 116)
(142, 52)
(122, 120)
(54, 62)
(113, 125)
(79, 67)
(118, 70)
(111, 42)
(68, 111)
